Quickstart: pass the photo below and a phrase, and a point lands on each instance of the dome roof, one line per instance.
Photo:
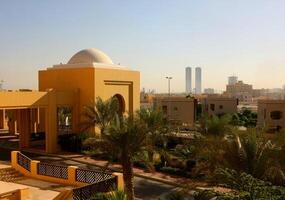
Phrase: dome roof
(90, 56)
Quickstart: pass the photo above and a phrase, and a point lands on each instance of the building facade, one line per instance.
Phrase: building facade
(232, 80)
(64, 90)
(271, 114)
(178, 110)
(240, 90)
(219, 105)
(198, 80)
(209, 91)
(188, 80)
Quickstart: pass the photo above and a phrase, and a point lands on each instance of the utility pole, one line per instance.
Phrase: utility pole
(169, 79)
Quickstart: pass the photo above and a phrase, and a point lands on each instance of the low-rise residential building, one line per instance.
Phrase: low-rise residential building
(240, 90)
(219, 105)
(209, 91)
(180, 110)
(271, 114)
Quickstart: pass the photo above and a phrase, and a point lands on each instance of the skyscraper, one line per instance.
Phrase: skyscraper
(232, 80)
(198, 80)
(188, 80)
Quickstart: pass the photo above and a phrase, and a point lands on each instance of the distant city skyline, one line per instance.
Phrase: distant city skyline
(157, 38)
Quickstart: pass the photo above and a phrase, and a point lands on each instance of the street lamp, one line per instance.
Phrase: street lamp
(169, 79)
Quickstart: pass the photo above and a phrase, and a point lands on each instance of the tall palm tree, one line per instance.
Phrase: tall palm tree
(125, 137)
(99, 114)
(155, 128)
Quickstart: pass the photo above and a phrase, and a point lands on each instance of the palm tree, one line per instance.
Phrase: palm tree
(253, 155)
(99, 114)
(215, 125)
(125, 137)
(155, 128)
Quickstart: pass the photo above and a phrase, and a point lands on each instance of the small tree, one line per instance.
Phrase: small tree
(155, 129)
(99, 114)
(215, 125)
(125, 137)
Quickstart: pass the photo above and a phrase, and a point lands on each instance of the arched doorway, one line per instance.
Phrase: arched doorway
(122, 105)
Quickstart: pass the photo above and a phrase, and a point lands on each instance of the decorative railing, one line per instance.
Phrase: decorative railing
(91, 176)
(24, 161)
(52, 170)
(91, 181)
(88, 191)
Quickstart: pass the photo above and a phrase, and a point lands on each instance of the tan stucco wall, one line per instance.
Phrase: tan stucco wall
(228, 105)
(109, 82)
(178, 109)
(265, 107)
(91, 82)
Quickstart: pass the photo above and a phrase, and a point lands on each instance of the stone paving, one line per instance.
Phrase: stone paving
(35, 193)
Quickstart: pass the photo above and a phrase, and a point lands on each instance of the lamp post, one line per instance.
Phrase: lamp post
(169, 79)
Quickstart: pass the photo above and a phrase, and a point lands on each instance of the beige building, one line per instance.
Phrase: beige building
(219, 105)
(239, 87)
(271, 114)
(242, 91)
(179, 110)
(39, 117)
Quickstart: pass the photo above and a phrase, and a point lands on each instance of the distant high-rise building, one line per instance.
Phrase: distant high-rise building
(209, 91)
(188, 80)
(198, 80)
(232, 80)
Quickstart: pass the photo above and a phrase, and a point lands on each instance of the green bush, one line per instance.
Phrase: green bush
(72, 142)
(175, 171)
(246, 187)
(190, 164)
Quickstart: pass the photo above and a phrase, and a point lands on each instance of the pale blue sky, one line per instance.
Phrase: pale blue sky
(158, 38)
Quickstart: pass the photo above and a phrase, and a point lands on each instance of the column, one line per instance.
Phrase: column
(2, 119)
(51, 124)
(24, 128)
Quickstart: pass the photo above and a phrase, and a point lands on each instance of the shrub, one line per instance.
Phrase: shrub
(246, 187)
(190, 164)
(175, 171)
(72, 142)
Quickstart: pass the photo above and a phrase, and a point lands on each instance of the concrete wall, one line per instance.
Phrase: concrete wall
(91, 82)
(179, 109)
(265, 107)
(19, 194)
(218, 106)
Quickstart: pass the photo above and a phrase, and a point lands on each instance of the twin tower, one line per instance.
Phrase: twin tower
(198, 80)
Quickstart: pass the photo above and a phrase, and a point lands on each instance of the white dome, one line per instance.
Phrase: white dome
(90, 56)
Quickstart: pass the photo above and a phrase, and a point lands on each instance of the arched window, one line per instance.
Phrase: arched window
(276, 115)
(122, 105)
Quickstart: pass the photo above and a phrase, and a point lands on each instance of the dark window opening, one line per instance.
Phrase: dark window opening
(276, 115)
(164, 110)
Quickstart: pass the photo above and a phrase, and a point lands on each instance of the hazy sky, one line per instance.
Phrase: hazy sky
(158, 38)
